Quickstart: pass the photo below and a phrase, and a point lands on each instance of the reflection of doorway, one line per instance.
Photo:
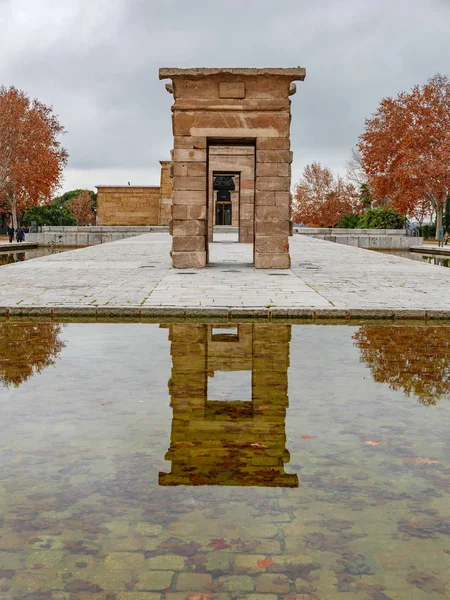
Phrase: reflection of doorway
(229, 399)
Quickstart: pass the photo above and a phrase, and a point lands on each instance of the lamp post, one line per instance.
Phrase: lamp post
(60, 215)
(95, 215)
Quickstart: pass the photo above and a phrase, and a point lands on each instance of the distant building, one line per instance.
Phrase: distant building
(136, 205)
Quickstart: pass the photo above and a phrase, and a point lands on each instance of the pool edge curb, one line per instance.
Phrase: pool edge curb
(227, 313)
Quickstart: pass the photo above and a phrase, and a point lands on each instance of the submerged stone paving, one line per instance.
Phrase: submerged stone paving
(135, 275)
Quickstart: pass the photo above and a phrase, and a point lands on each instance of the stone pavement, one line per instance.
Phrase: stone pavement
(134, 277)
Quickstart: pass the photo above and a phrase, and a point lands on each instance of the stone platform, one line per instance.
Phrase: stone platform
(432, 249)
(16, 246)
(133, 277)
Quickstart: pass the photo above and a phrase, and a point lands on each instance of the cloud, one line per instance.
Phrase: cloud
(97, 64)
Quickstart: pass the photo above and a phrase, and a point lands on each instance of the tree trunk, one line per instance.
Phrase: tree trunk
(14, 213)
(439, 213)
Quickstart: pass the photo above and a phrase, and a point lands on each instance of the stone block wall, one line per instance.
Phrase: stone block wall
(272, 201)
(88, 236)
(128, 205)
(381, 239)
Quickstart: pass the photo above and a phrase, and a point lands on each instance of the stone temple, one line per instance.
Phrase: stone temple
(231, 160)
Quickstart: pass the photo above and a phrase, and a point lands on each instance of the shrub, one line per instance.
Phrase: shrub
(428, 231)
(350, 221)
(382, 218)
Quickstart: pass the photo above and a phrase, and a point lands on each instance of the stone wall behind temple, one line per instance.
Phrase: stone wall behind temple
(128, 205)
(131, 205)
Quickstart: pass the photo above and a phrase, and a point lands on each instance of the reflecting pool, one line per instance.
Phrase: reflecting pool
(11, 257)
(432, 259)
(184, 460)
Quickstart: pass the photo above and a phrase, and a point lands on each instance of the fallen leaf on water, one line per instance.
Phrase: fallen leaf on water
(306, 437)
(264, 563)
(264, 408)
(199, 597)
(427, 461)
(375, 443)
(258, 445)
(219, 544)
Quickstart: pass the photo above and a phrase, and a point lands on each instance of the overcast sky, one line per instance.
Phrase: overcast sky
(96, 62)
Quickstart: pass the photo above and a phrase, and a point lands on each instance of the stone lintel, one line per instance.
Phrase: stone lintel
(293, 74)
(128, 187)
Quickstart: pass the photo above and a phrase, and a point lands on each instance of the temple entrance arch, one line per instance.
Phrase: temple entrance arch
(219, 111)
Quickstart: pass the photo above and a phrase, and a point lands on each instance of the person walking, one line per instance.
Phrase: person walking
(22, 234)
(10, 231)
(446, 236)
(441, 236)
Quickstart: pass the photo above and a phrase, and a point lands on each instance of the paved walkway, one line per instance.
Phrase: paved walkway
(133, 276)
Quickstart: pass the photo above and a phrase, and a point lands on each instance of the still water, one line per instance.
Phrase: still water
(432, 259)
(145, 462)
(8, 258)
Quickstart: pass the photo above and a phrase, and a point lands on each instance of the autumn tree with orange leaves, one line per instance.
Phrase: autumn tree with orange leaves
(414, 360)
(27, 349)
(31, 156)
(321, 198)
(82, 209)
(405, 148)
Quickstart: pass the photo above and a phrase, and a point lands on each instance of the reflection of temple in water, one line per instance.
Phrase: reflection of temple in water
(233, 441)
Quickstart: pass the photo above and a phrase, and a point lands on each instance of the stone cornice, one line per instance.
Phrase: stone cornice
(293, 74)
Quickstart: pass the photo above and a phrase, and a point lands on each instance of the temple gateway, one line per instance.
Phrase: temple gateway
(231, 160)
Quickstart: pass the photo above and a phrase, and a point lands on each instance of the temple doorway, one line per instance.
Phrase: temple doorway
(223, 213)
(225, 192)
(231, 198)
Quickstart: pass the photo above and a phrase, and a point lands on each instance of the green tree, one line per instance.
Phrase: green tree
(48, 215)
(382, 218)
(365, 196)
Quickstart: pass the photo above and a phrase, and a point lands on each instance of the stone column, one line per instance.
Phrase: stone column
(273, 180)
(188, 393)
(189, 226)
(270, 396)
